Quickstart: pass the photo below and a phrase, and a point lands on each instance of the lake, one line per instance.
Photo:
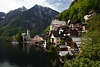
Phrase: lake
(14, 56)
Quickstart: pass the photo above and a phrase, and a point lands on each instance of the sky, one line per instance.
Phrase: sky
(58, 5)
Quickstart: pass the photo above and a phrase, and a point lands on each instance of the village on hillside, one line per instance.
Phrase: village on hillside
(66, 38)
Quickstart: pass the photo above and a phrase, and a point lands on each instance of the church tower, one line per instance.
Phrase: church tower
(28, 35)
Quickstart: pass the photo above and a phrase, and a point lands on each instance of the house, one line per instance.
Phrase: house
(14, 37)
(56, 24)
(89, 15)
(74, 33)
(55, 37)
(74, 24)
(38, 38)
(84, 27)
(77, 27)
(64, 31)
(74, 0)
(69, 42)
(38, 41)
(45, 36)
(67, 49)
(63, 50)
(56, 31)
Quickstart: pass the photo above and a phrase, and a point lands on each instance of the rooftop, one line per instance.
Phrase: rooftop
(57, 22)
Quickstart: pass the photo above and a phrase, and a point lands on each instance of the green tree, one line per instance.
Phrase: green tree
(90, 57)
(79, 9)
(19, 37)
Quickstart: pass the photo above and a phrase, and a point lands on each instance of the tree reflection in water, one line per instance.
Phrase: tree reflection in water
(17, 57)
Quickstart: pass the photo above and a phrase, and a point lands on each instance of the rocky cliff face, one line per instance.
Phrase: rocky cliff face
(2, 17)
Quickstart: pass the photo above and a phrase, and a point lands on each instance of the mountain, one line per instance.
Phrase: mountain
(2, 14)
(14, 13)
(6, 18)
(2, 17)
(35, 19)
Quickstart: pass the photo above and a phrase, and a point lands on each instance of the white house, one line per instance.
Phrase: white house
(87, 17)
(56, 23)
(63, 50)
(54, 39)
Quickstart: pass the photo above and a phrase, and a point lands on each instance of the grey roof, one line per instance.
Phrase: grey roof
(58, 22)
(74, 21)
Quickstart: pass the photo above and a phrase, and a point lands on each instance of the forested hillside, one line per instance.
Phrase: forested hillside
(90, 54)
(90, 47)
(78, 9)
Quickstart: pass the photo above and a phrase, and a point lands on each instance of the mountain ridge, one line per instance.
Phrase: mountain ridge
(35, 19)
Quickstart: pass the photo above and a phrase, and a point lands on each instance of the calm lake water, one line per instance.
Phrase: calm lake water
(6, 64)
(14, 56)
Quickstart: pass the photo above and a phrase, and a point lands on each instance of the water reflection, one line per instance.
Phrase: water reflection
(6, 64)
(16, 57)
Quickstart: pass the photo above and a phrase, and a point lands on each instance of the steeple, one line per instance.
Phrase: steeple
(28, 35)
(28, 32)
